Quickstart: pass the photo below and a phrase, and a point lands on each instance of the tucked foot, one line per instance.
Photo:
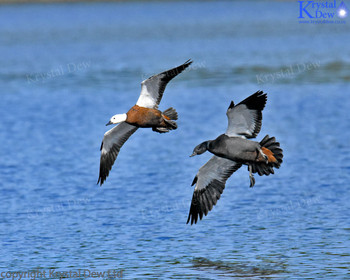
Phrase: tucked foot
(252, 181)
(170, 124)
(251, 177)
(160, 129)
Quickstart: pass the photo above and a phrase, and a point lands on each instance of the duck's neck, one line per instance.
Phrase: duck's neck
(208, 145)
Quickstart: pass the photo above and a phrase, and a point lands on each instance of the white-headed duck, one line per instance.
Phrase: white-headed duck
(144, 114)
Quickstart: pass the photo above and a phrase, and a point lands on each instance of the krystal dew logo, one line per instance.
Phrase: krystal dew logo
(322, 12)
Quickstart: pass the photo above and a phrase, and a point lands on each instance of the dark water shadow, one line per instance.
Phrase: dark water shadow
(240, 269)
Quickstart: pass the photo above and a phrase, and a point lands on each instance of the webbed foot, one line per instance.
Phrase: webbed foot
(251, 177)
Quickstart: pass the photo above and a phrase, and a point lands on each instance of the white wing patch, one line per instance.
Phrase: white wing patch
(149, 93)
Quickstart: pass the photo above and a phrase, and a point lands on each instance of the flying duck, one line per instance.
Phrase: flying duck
(231, 150)
(144, 114)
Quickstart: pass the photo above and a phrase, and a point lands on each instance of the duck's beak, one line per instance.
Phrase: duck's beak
(109, 123)
(194, 154)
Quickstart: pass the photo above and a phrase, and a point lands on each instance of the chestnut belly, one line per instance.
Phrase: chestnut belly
(145, 117)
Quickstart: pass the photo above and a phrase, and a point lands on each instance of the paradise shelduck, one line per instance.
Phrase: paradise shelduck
(231, 150)
(144, 114)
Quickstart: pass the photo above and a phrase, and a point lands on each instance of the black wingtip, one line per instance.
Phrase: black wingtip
(256, 101)
(188, 62)
(194, 181)
(100, 181)
(232, 104)
(262, 95)
(188, 220)
(170, 74)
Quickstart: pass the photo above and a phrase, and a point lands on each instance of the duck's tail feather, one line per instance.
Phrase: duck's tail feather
(170, 113)
(274, 154)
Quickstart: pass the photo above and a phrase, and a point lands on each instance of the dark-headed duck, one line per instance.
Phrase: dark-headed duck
(231, 150)
(144, 114)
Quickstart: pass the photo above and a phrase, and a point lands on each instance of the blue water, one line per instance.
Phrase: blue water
(65, 69)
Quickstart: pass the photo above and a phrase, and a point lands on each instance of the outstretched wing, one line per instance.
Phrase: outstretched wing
(244, 119)
(210, 183)
(153, 88)
(112, 141)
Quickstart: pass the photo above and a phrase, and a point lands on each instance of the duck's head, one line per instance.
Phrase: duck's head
(200, 149)
(118, 118)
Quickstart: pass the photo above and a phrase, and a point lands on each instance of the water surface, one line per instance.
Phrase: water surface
(67, 68)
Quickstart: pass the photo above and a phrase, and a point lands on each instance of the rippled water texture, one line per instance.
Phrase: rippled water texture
(66, 69)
